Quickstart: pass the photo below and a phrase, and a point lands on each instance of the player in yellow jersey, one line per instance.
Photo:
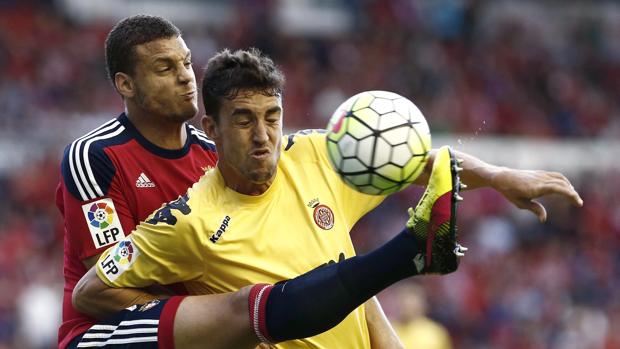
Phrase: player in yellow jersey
(274, 209)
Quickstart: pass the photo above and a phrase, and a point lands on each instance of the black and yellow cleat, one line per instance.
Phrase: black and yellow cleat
(433, 221)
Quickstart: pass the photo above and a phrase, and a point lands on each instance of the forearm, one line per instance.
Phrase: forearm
(520, 187)
(476, 173)
(94, 298)
(382, 335)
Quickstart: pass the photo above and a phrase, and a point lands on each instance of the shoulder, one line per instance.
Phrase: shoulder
(199, 137)
(305, 141)
(172, 212)
(86, 169)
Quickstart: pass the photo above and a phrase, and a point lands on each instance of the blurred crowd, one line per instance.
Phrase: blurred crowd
(522, 285)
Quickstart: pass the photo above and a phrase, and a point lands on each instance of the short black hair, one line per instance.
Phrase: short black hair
(127, 34)
(228, 73)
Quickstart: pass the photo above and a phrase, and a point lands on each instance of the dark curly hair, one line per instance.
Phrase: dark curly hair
(127, 34)
(227, 73)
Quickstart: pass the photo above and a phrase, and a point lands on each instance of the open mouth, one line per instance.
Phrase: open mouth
(260, 153)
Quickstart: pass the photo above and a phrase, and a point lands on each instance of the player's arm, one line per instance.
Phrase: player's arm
(96, 213)
(100, 301)
(149, 256)
(520, 187)
(382, 334)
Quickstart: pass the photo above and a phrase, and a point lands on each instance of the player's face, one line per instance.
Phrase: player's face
(165, 84)
(248, 136)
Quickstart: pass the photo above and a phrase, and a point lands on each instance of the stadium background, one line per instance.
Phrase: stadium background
(522, 83)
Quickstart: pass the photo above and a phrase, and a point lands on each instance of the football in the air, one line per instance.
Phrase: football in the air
(378, 142)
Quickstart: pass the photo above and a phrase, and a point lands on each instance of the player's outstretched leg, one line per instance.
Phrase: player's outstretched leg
(318, 300)
(311, 303)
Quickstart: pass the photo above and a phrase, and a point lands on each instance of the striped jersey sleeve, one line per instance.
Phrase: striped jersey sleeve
(201, 138)
(95, 211)
(86, 169)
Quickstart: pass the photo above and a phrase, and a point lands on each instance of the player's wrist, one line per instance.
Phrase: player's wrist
(497, 176)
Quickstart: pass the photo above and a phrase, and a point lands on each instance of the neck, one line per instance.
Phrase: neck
(163, 133)
(235, 181)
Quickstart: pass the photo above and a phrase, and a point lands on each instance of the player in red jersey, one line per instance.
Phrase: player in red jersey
(118, 174)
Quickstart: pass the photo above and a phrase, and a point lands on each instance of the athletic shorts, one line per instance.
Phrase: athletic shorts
(145, 326)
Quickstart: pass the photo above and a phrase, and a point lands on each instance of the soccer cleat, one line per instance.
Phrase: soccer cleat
(433, 222)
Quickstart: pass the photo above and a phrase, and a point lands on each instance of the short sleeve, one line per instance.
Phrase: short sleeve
(95, 210)
(163, 250)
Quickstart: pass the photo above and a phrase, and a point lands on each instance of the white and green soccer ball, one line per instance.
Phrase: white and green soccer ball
(378, 142)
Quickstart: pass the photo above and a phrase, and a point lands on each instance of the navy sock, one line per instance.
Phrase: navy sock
(320, 299)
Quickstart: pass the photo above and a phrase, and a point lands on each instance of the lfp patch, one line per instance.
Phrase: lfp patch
(119, 259)
(123, 254)
(103, 223)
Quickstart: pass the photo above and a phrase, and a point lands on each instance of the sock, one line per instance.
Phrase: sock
(321, 298)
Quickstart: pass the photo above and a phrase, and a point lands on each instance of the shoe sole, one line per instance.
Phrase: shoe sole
(447, 261)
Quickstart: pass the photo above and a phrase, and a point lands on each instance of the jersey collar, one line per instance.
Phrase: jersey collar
(153, 148)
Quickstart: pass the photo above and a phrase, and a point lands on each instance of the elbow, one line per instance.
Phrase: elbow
(79, 295)
(83, 291)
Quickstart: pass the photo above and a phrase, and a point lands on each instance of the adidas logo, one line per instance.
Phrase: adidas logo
(144, 182)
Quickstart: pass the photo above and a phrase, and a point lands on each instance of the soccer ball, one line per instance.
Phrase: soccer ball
(378, 142)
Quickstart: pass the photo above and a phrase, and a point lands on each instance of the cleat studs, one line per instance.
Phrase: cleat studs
(462, 186)
(459, 161)
(458, 169)
(457, 197)
(459, 250)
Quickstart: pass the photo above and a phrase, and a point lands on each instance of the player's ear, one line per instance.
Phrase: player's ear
(210, 127)
(124, 85)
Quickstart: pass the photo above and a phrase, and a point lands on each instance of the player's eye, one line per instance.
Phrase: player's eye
(243, 122)
(188, 64)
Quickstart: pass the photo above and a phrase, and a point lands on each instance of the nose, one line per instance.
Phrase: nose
(186, 74)
(260, 134)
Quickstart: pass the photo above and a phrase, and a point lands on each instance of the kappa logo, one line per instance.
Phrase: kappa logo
(144, 182)
(103, 223)
(164, 214)
(216, 236)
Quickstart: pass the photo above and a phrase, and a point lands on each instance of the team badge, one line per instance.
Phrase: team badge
(103, 223)
(323, 216)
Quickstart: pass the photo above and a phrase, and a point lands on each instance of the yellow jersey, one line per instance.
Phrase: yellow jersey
(217, 240)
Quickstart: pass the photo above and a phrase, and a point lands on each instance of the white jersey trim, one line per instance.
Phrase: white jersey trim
(200, 134)
(78, 154)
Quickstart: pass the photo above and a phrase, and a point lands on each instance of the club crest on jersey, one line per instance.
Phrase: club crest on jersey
(323, 215)
(103, 223)
(119, 259)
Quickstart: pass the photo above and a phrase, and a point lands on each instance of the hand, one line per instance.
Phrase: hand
(521, 187)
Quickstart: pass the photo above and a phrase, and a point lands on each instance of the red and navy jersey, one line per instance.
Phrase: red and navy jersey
(113, 178)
